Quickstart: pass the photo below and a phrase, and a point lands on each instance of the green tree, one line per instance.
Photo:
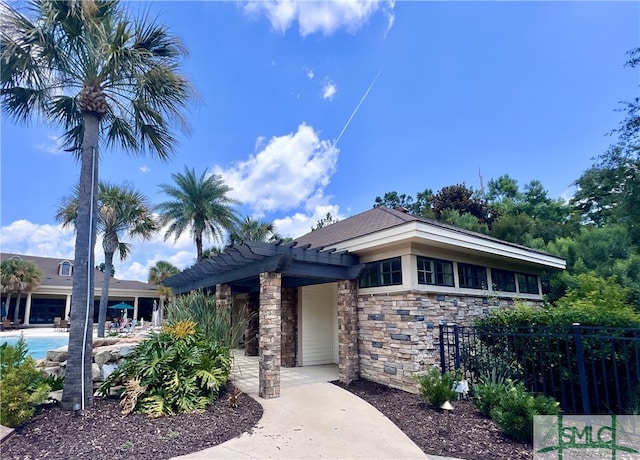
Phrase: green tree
(18, 275)
(460, 198)
(251, 229)
(420, 206)
(124, 211)
(324, 222)
(198, 204)
(157, 274)
(100, 74)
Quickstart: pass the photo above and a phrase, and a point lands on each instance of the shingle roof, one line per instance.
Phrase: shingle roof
(50, 277)
(377, 219)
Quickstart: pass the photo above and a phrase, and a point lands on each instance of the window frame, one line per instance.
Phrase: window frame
(62, 266)
(437, 274)
(482, 281)
(527, 283)
(497, 281)
(381, 273)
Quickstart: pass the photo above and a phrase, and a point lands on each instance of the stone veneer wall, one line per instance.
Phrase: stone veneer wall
(399, 335)
(347, 303)
(289, 326)
(223, 297)
(270, 334)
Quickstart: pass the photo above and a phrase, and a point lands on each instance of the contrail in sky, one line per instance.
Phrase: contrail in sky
(346, 125)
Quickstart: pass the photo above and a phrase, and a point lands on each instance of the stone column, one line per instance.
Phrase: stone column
(223, 297)
(270, 332)
(252, 324)
(347, 301)
(289, 326)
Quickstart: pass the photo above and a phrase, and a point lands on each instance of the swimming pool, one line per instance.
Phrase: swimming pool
(38, 346)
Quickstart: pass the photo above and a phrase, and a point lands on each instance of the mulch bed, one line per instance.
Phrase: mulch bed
(471, 436)
(103, 432)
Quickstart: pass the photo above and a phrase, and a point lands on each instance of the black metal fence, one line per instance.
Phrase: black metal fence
(589, 370)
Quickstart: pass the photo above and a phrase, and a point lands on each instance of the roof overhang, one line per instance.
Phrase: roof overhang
(449, 238)
(241, 266)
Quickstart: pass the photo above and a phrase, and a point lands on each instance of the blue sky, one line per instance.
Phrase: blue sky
(527, 89)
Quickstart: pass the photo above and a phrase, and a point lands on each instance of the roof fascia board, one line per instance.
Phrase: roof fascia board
(458, 240)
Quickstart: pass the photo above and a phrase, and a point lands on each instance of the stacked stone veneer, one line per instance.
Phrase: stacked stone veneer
(289, 326)
(270, 335)
(347, 302)
(399, 335)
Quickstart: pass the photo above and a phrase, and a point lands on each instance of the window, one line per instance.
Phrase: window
(435, 271)
(528, 284)
(65, 268)
(382, 273)
(472, 276)
(503, 280)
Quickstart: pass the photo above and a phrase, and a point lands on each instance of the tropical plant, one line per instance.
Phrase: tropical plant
(157, 274)
(215, 323)
(22, 385)
(198, 204)
(123, 211)
(177, 370)
(489, 390)
(251, 229)
(437, 388)
(18, 275)
(100, 74)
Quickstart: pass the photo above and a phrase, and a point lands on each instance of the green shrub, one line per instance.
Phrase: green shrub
(177, 370)
(214, 323)
(437, 388)
(490, 389)
(516, 409)
(22, 385)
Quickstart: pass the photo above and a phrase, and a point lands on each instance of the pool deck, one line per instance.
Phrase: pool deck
(33, 332)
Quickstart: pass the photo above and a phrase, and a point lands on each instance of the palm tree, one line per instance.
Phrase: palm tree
(123, 211)
(19, 276)
(253, 230)
(199, 204)
(157, 274)
(87, 66)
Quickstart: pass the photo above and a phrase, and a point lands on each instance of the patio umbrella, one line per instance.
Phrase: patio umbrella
(122, 306)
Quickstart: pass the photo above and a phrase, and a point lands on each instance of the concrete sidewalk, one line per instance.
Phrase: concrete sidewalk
(311, 419)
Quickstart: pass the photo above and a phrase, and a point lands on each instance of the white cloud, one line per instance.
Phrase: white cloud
(301, 223)
(53, 146)
(145, 169)
(329, 91)
(288, 171)
(324, 17)
(24, 237)
(310, 74)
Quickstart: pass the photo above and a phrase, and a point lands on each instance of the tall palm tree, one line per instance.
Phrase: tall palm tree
(123, 211)
(19, 276)
(157, 274)
(87, 66)
(253, 230)
(199, 204)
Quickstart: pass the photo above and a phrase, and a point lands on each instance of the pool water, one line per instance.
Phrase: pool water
(38, 346)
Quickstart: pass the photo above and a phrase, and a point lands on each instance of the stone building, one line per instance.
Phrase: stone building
(366, 293)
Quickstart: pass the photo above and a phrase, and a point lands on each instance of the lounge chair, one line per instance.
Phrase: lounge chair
(64, 325)
(56, 323)
(6, 324)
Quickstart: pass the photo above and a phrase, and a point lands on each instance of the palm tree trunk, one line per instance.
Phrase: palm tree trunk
(16, 311)
(199, 247)
(104, 296)
(78, 391)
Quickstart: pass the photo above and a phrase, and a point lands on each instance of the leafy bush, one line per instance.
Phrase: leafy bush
(214, 323)
(437, 388)
(22, 385)
(490, 389)
(177, 370)
(515, 411)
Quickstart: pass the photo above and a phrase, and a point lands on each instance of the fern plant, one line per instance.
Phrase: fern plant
(177, 370)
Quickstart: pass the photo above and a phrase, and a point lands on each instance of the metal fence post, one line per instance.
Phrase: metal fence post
(456, 341)
(443, 364)
(582, 374)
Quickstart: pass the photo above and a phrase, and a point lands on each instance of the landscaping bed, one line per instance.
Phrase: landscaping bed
(103, 432)
(471, 436)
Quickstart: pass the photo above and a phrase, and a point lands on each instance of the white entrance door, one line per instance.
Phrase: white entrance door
(318, 325)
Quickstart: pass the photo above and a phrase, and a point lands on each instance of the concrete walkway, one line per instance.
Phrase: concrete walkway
(311, 419)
